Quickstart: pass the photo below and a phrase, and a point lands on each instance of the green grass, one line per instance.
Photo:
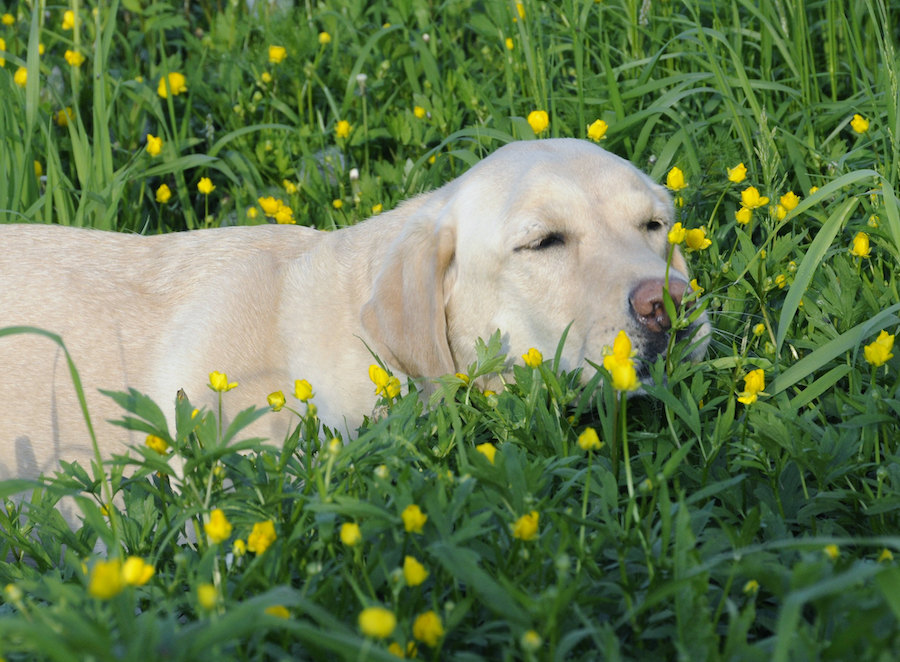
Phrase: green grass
(702, 529)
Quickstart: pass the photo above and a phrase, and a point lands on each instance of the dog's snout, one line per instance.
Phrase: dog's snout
(647, 302)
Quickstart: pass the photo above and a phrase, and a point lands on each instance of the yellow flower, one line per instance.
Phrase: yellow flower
(780, 281)
(68, 22)
(677, 234)
(751, 198)
(136, 571)
(163, 194)
(324, 38)
(860, 246)
(533, 358)
(789, 200)
(337, 203)
(885, 556)
(278, 611)
(289, 186)
(878, 352)
(737, 174)
(265, 77)
(74, 58)
(526, 527)
(759, 329)
(38, 169)
(754, 383)
(832, 551)
(597, 130)
(413, 518)
(205, 186)
(531, 641)
(696, 240)
(589, 440)
(8, 19)
(2, 48)
(284, 215)
(157, 444)
(419, 112)
(377, 622)
(270, 205)
(239, 548)
(520, 9)
(397, 650)
(859, 123)
(695, 287)
(350, 534)
(377, 208)
(509, 43)
(302, 390)
(743, 215)
(276, 400)
(342, 129)
(620, 354)
(218, 528)
(624, 377)
(261, 537)
(538, 120)
(386, 385)
(174, 82)
(20, 78)
(675, 180)
(413, 571)
(207, 596)
(106, 579)
(488, 450)
(64, 116)
(218, 381)
(154, 145)
(277, 54)
(751, 587)
(428, 628)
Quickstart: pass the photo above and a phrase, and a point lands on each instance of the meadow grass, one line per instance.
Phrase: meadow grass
(703, 528)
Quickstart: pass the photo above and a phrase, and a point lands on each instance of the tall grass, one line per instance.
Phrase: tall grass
(704, 528)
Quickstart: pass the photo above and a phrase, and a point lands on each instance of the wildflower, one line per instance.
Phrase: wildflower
(218, 381)
(419, 112)
(759, 329)
(377, 208)
(337, 203)
(218, 528)
(832, 551)
(737, 174)
(74, 58)
(531, 641)
(276, 400)
(878, 352)
(289, 186)
(677, 234)
(538, 120)
(2, 48)
(350, 534)
(675, 180)
(509, 43)
(157, 444)
(533, 358)
(324, 38)
(780, 281)
(696, 240)
(488, 450)
(520, 10)
(68, 22)
(526, 527)
(278, 611)
(239, 548)
(270, 205)
(261, 537)
(284, 215)
(154, 145)
(342, 129)
(463, 377)
(163, 194)
(302, 390)
(751, 587)
(754, 383)
(413, 572)
(106, 579)
(428, 628)
(860, 246)
(377, 622)
(136, 571)
(886, 556)
(743, 215)
(397, 650)
(64, 116)
(20, 78)
(174, 82)
(624, 378)
(789, 200)
(277, 54)
(38, 169)
(751, 198)
(266, 78)
(859, 123)
(8, 19)
(205, 186)
(413, 518)
(589, 441)
(386, 385)
(597, 130)
(207, 595)
(695, 287)
(620, 354)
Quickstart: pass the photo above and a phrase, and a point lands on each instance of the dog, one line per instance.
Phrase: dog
(538, 237)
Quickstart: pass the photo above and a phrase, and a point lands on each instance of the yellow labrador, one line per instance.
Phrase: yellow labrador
(537, 236)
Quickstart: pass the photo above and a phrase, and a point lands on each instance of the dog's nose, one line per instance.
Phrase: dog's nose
(646, 301)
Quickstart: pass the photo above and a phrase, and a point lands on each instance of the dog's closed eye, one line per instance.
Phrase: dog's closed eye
(547, 241)
(653, 226)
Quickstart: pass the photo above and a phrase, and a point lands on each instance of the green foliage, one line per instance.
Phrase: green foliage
(704, 528)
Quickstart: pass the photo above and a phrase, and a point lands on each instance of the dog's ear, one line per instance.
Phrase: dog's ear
(406, 318)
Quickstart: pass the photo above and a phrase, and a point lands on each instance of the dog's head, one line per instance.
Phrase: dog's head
(540, 236)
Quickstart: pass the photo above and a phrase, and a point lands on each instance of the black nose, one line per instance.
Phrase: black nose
(646, 301)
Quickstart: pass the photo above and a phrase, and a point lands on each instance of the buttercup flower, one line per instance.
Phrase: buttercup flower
(737, 174)
(64, 116)
(759, 329)
(157, 444)
(886, 556)
(154, 145)
(8, 19)
(207, 596)
(860, 246)
(106, 579)
(419, 112)
(879, 352)
(302, 390)
(74, 58)
(751, 198)
(277, 54)
(751, 587)
(754, 383)
(428, 628)
(20, 78)
(413, 518)
(675, 180)
(342, 129)
(261, 537)
(533, 358)
(324, 38)
(68, 22)
(832, 551)
(520, 10)
(509, 43)
(526, 527)
(289, 187)
(386, 385)
(205, 186)
(136, 571)
(337, 203)
(677, 234)
(270, 205)
(780, 281)
(377, 622)
(859, 123)
(696, 240)
(413, 571)
(538, 120)
(218, 528)
(377, 208)
(2, 48)
(218, 381)
(589, 441)
(620, 353)
(350, 534)
(174, 83)
(279, 611)
(789, 200)
(597, 130)
(163, 194)
(743, 215)
(38, 169)
(624, 377)
(488, 450)
(276, 400)
(531, 641)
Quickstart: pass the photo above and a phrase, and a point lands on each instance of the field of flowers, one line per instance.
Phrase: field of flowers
(749, 509)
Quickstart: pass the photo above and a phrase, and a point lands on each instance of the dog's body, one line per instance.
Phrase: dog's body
(534, 238)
